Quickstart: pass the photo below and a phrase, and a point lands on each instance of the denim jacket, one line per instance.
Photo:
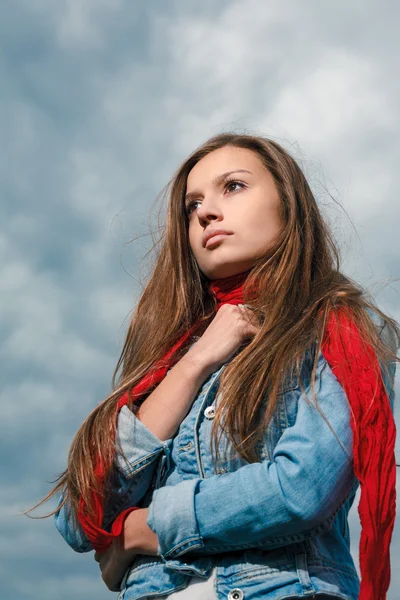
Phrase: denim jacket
(276, 528)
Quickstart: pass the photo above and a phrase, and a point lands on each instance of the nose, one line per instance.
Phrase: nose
(208, 211)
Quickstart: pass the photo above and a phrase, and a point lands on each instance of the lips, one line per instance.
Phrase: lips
(211, 234)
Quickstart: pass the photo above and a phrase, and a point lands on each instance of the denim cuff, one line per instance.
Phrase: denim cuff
(70, 528)
(139, 445)
(172, 517)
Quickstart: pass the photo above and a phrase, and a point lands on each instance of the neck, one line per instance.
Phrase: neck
(229, 290)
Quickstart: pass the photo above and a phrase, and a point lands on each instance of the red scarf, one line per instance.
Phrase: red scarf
(357, 369)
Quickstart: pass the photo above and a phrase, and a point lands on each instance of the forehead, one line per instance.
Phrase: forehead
(223, 160)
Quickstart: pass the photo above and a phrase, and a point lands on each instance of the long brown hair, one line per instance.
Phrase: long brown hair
(298, 282)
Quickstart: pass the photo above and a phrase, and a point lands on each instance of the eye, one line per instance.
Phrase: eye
(230, 186)
(231, 183)
(190, 207)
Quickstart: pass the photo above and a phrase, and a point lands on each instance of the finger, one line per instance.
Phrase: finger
(248, 313)
(244, 310)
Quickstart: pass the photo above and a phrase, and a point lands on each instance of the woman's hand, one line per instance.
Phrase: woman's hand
(230, 328)
(136, 538)
(114, 563)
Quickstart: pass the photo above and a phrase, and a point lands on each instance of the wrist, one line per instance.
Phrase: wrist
(138, 538)
(195, 366)
(128, 536)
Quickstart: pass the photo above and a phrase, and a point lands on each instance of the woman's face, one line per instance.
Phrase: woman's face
(230, 190)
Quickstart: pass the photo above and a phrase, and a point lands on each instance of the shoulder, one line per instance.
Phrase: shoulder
(386, 332)
(343, 328)
(353, 360)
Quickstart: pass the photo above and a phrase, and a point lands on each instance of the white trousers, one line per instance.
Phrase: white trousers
(198, 589)
(203, 589)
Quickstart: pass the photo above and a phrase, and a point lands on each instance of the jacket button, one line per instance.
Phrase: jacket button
(236, 594)
(209, 413)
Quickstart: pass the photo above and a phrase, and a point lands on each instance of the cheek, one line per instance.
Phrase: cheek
(264, 228)
(194, 241)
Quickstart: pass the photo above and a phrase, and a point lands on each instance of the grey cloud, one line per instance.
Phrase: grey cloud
(102, 101)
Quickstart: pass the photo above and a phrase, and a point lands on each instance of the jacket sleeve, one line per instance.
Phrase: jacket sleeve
(294, 496)
(131, 478)
(70, 529)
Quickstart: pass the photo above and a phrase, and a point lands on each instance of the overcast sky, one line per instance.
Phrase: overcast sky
(100, 101)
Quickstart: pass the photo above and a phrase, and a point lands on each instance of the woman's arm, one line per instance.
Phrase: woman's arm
(130, 480)
(311, 472)
(149, 432)
(146, 436)
(164, 410)
(143, 436)
(294, 496)
(166, 407)
(70, 529)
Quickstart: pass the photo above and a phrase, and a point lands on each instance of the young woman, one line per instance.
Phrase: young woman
(255, 394)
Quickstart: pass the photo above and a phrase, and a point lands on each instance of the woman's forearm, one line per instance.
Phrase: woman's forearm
(164, 410)
(137, 536)
(166, 407)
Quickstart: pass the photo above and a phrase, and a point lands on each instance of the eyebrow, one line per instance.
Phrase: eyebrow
(217, 181)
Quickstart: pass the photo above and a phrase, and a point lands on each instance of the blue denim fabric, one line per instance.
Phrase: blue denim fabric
(132, 478)
(276, 528)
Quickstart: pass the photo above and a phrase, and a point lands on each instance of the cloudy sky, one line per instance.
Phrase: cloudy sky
(100, 101)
